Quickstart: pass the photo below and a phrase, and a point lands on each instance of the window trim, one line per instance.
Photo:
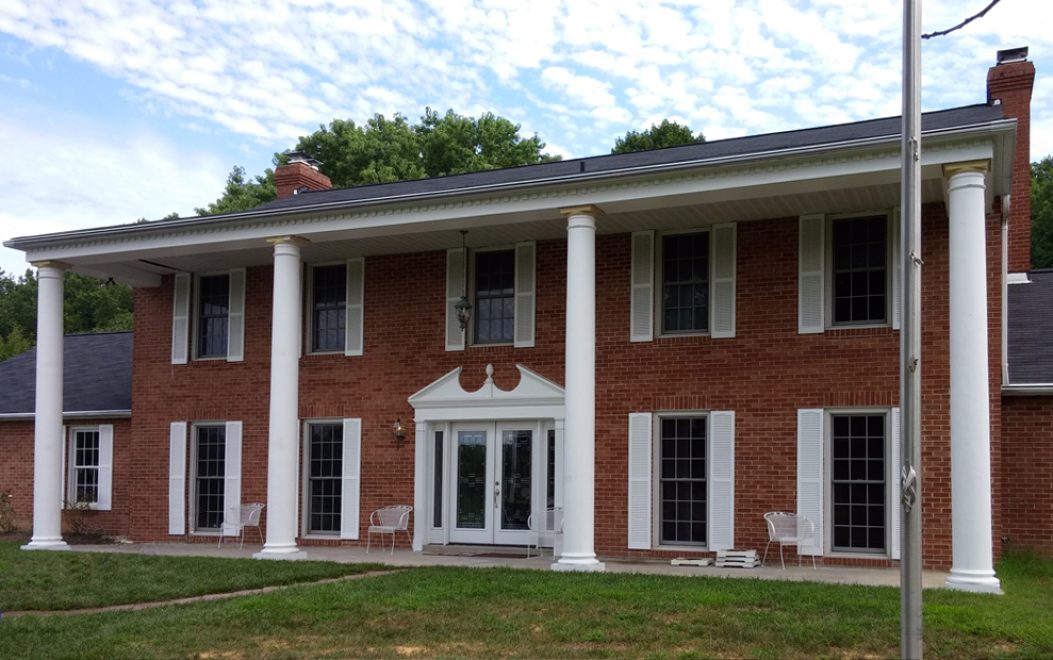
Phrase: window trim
(828, 473)
(309, 308)
(659, 283)
(305, 478)
(71, 465)
(469, 331)
(828, 270)
(193, 476)
(656, 483)
(195, 312)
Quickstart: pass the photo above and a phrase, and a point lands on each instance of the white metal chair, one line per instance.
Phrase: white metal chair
(240, 517)
(389, 520)
(788, 529)
(552, 526)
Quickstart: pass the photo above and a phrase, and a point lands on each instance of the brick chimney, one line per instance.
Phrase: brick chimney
(1010, 82)
(299, 174)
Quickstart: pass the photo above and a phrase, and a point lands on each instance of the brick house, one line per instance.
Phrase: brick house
(664, 344)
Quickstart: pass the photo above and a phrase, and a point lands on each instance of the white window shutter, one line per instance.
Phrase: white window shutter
(641, 321)
(810, 474)
(180, 318)
(895, 456)
(231, 474)
(640, 451)
(236, 316)
(897, 271)
(723, 247)
(525, 298)
(354, 326)
(721, 480)
(811, 291)
(454, 290)
(105, 499)
(177, 478)
(352, 464)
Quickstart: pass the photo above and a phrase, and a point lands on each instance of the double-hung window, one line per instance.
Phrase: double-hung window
(325, 450)
(208, 316)
(857, 482)
(213, 315)
(495, 292)
(84, 487)
(859, 270)
(685, 283)
(329, 308)
(209, 476)
(682, 481)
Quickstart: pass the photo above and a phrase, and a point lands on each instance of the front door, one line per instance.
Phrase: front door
(493, 479)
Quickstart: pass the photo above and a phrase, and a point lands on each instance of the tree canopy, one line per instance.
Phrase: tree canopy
(90, 305)
(666, 134)
(1042, 213)
(242, 194)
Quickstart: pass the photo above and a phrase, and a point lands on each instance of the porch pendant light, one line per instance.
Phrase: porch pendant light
(463, 307)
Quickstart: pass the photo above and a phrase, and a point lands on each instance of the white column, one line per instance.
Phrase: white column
(973, 564)
(580, 382)
(47, 435)
(282, 462)
(420, 483)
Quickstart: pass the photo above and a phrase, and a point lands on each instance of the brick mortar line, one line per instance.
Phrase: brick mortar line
(131, 607)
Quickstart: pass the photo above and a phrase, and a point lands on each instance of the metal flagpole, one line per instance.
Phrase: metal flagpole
(910, 337)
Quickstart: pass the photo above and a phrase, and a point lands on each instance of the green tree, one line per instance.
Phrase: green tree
(1042, 213)
(666, 134)
(240, 194)
(455, 144)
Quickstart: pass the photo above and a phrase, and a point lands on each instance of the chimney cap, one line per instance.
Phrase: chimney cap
(1010, 55)
(302, 157)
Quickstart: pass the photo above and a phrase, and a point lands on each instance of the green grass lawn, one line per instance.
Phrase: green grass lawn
(455, 612)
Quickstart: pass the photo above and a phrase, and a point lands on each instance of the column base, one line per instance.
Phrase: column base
(284, 553)
(56, 543)
(582, 564)
(983, 582)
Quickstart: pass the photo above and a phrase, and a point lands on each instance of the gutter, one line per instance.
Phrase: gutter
(70, 414)
(28, 242)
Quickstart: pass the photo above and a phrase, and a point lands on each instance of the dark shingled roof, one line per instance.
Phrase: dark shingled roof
(1030, 321)
(743, 146)
(97, 369)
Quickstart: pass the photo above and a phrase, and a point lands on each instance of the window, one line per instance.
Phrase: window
(324, 477)
(859, 270)
(495, 297)
(685, 283)
(329, 308)
(213, 315)
(858, 486)
(682, 481)
(209, 473)
(84, 486)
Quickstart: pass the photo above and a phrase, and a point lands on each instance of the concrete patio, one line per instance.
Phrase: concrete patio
(888, 577)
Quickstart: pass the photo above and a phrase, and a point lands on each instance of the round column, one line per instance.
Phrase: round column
(47, 434)
(973, 563)
(284, 404)
(580, 383)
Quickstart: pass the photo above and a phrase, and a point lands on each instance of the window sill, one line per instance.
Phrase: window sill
(684, 335)
(841, 554)
(209, 532)
(316, 536)
(681, 548)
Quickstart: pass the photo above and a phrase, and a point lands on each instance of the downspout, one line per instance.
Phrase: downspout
(1005, 289)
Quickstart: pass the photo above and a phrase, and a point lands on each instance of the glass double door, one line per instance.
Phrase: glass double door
(493, 479)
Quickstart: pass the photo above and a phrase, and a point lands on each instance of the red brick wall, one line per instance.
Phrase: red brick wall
(1027, 464)
(764, 374)
(16, 476)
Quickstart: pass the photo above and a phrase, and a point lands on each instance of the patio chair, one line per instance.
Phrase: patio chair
(389, 520)
(552, 526)
(788, 529)
(240, 517)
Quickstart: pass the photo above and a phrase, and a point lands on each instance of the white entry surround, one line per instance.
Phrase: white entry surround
(535, 404)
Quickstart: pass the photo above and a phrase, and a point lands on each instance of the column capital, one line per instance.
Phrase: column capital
(59, 265)
(978, 166)
(584, 209)
(295, 241)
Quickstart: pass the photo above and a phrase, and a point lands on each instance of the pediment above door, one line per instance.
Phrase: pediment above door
(535, 397)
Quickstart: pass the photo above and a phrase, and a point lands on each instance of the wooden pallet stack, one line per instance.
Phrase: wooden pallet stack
(737, 559)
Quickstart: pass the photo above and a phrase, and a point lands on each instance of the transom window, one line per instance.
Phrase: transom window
(329, 308)
(682, 480)
(213, 315)
(858, 482)
(685, 283)
(324, 484)
(860, 255)
(495, 297)
(85, 486)
(209, 473)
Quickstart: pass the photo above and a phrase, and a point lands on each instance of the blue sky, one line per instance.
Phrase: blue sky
(112, 110)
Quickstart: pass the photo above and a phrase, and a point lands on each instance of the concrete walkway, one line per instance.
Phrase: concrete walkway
(404, 558)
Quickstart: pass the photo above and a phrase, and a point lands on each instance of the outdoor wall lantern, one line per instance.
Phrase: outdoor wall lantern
(398, 431)
(462, 306)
